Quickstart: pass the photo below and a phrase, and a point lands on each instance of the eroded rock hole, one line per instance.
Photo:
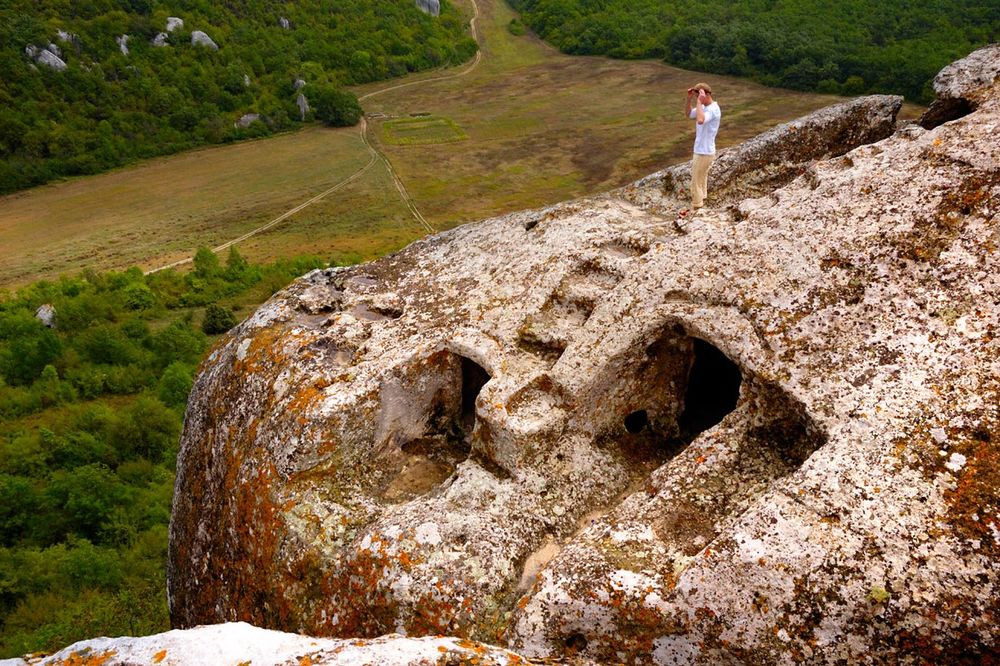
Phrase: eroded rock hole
(713, 389)
(474, 378)
(449, 418)
(944, 110)
(576, 643)
(636, 421)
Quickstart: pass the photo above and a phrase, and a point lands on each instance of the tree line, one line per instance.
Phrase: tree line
(90, 418)
(847, 47)
(108, 108)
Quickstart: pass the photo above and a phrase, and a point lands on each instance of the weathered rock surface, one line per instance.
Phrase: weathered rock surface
(161, 39)
(432, 7)
(122, 41)
(767, 435)
(285, 23)
(174, 23)
(241, 643)
(199, 38)
(962, 86)
(299, 84)
(303, 104)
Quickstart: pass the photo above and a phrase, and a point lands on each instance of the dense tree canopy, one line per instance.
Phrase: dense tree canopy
(848, 46)
(108, 108)
(90, 417)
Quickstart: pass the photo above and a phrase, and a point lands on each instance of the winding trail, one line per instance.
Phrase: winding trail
(376, 155)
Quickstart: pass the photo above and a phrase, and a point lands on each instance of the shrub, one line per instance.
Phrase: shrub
(217, 319)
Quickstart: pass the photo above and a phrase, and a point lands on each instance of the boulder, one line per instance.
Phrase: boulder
(432, 7)
(199, 38)
(122, 41)
(284, 23)
(47, 315)
(303, 104)
(299, 83)
(160, 39)
(768, 434)
(961, 85)
(241, 643)
(246, 80)
(174, 23)
(54, 49)
(247, 119)
(45, 57)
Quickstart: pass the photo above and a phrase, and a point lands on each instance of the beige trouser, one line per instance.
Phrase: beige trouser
(699, 179)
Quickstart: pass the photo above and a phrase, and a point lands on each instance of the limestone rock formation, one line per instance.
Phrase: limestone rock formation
(122, 41)
(174, 23)
(299, 83)
(432, 7)
(240, 643)
(45, 57)
(303, 104)
(765, 434)
(961, 86)
(199, 38)
(46, 314)
(247, 119)
(285, 23)
(160, 39)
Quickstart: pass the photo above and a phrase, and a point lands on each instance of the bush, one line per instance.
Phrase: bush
(217, 319)
(336, 108)
(175, 384)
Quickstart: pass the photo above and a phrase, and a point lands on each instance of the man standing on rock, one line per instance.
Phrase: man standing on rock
(701, 107)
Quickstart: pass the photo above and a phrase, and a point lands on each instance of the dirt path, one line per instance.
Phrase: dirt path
(376, 155)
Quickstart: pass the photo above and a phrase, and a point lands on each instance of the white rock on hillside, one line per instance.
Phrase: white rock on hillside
(174, 23)
(240, 643)
(122, 41)
(199, 38)
(303, 104)
(160, 39)
(432, 7)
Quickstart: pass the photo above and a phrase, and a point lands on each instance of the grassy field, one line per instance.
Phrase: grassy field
(527, 127)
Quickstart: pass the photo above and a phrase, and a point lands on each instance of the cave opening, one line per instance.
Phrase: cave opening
(474, 378)
(446, 438)
(713, 388)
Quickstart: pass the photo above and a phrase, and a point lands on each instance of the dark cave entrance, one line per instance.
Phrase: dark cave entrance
(713, 389)
(474, 378)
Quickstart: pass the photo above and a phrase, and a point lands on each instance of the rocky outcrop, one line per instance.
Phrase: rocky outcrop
(299, 84)
(199, 38)
(45, 57)
(247, 119)
(303, 104)
(961, 86)
(122, 41)
(768, 434)
(161, 39)
(432, 7)
(174, 23)
(47, 315)
(240, 643)
(284, 23)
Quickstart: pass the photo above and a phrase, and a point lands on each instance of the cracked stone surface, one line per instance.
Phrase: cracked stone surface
(514, 431)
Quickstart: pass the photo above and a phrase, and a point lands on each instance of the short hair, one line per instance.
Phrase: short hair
(703, 86)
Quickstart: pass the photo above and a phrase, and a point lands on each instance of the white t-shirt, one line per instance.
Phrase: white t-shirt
(704, 134)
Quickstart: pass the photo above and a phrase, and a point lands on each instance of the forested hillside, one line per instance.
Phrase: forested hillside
(87, 85)
(847, 47)
(90, 417)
